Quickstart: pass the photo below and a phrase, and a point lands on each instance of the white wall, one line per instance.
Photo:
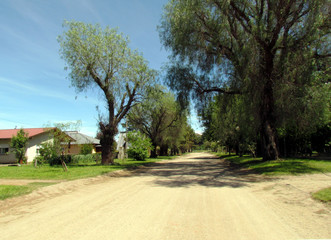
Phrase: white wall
(31, 152)
(33, 144)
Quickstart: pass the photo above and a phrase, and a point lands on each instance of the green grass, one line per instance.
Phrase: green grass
(46, 172)
(75, 171)
(323, 195)
(8, 191)
(288, 166)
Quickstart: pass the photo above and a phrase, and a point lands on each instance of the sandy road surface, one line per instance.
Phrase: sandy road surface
(192, 197)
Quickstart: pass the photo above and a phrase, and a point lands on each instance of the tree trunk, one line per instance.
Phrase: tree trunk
(107, 143)
(164, 150)
(153, 152)
(267, 107)
(268, 130)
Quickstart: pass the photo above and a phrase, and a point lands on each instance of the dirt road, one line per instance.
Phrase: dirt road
(192, 197)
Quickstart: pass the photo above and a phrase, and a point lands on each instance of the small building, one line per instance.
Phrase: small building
(36, 136)
(78, 140)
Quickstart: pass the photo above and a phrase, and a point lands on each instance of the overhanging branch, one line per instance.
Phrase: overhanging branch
(202, 90)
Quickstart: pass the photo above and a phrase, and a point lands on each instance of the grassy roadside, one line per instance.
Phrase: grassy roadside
(8, 191)
(46, 172)
(75, 171)
(288, 166)
(323, 195)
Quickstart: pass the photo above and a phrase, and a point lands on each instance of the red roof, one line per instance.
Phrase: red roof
(9, 133)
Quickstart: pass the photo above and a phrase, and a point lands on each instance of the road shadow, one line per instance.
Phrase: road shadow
(208, 171)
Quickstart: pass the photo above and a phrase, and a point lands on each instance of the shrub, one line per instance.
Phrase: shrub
(139, 146)
(86, 149)
(47, 151)
(56, 160)
(89, 158)
(40, 160)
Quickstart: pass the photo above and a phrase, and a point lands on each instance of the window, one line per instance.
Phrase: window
(4, 150)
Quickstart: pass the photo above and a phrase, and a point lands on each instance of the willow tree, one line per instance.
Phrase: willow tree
(101, 58)
(246, 47)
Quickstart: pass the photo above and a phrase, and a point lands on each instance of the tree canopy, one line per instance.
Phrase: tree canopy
(157, 114)
(263, 50)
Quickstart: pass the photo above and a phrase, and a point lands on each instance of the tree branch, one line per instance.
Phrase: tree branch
(120, 115)
(202, 90)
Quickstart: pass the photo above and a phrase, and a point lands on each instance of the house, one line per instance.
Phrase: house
(78, 140)
(36, 136)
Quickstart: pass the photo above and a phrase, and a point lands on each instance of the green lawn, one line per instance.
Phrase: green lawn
(75, 171)
(286, 166)
(46, 172)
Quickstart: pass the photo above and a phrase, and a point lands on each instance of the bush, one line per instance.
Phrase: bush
(40, 160)
(56, 160)
(89, 158)
(139, 146)
(47, 151)
(86, 149)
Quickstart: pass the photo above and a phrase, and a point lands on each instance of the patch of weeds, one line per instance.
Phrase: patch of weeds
(323, 195)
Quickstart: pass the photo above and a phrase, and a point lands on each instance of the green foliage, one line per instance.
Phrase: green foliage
(273, 55)
(188, 138)
(139, 146)
(19, 145)
(206, 145)
(214, 146)
(86, 158)
(101, 57)
(323, 195)
(86, 149)
(47, 151)
(158, 117)
(57, 160)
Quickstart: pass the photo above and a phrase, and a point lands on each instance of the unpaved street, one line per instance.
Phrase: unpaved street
(192, 197)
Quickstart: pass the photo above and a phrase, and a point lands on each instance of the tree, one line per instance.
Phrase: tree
(228, 119)
(101, 58)
(155, 115)
(188, 138)
(19, 145)
(245, 47)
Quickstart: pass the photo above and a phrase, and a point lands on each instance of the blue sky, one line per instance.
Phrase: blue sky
(35, 90)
